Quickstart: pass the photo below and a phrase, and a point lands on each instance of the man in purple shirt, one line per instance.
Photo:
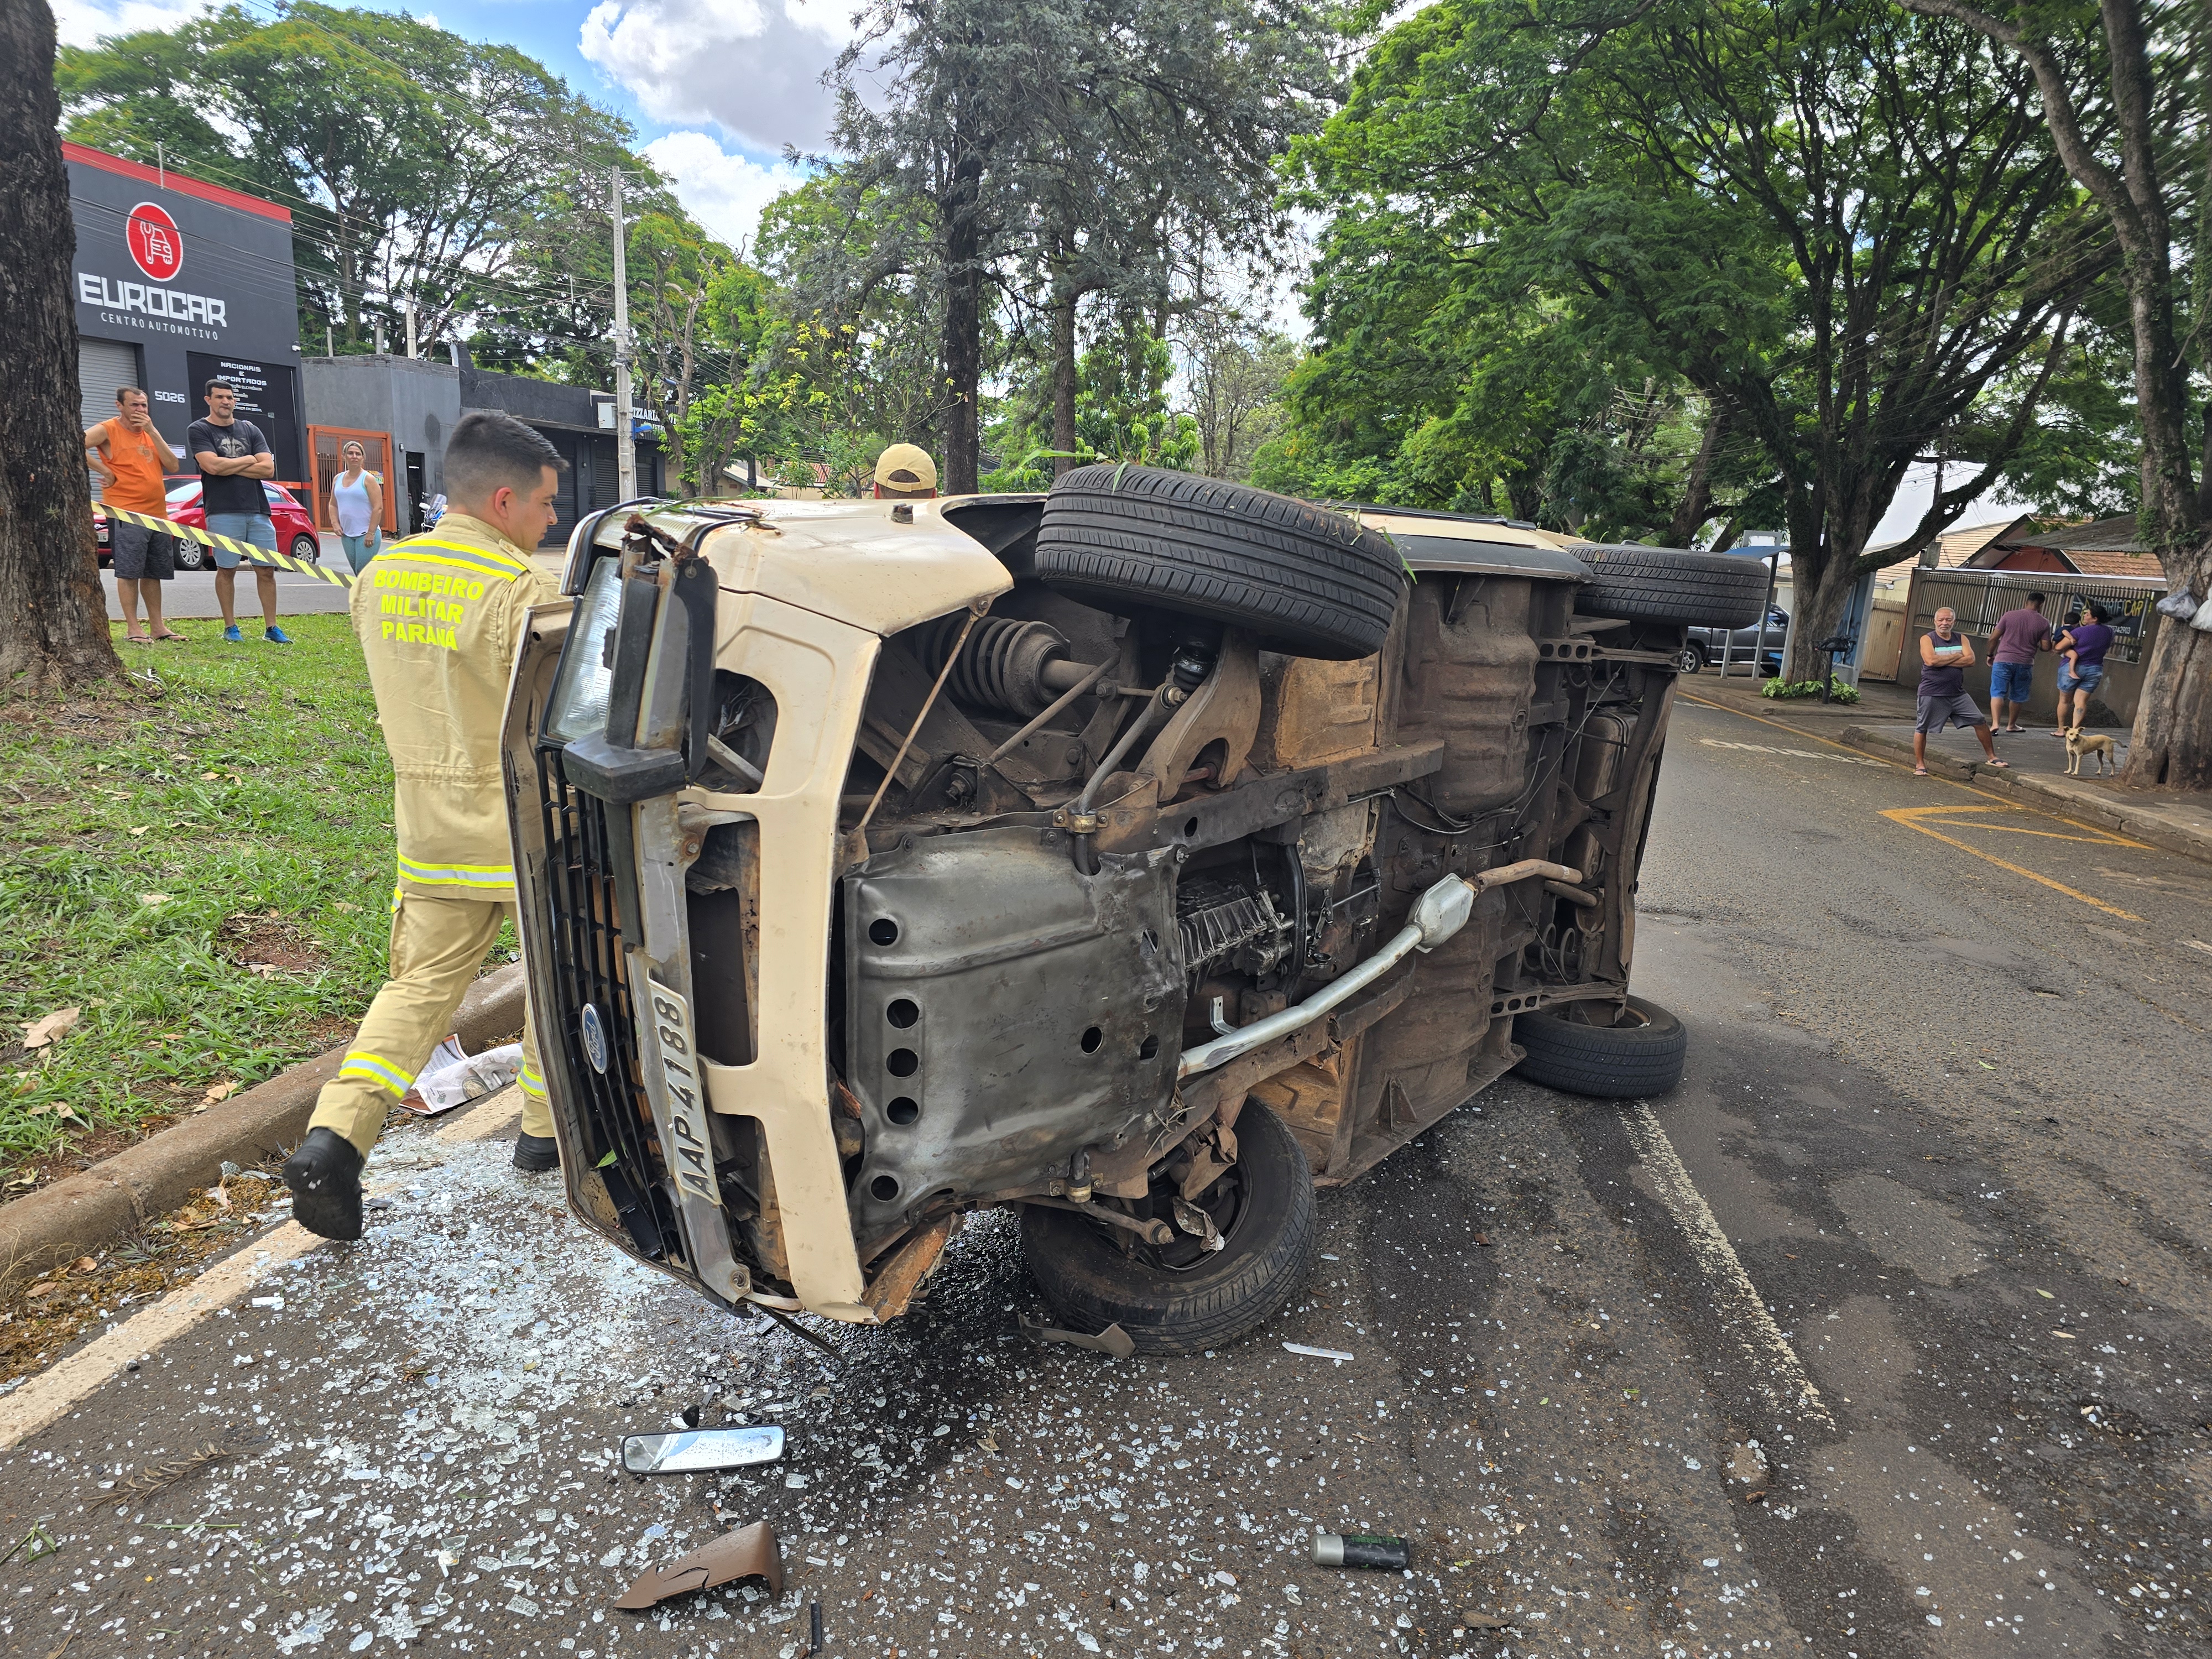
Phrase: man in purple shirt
(2018, 635)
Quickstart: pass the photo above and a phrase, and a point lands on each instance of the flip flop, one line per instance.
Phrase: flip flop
(137, 639)
(1919, 771)
(1996, 762)
(179, 638)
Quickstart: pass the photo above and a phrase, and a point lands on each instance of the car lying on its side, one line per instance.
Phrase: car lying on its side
(1138, 856)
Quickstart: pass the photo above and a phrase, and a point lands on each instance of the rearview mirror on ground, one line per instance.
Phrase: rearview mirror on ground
(685, 1450)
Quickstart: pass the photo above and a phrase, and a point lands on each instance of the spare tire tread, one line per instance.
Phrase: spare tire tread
(1306, 580)
(1622, 1062)
(1668, 584)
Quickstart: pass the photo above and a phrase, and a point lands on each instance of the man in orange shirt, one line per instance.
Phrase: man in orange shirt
(128, 457)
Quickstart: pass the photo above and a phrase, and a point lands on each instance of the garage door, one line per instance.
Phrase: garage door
(102, 366)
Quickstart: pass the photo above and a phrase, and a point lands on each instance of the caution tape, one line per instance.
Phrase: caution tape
(245, 551)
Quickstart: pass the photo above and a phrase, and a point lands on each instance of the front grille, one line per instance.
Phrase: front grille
(590, 969)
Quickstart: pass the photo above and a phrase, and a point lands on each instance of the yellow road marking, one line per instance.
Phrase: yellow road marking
(1911, 818)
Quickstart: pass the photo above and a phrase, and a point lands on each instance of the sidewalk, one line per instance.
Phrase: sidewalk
(1881, 724)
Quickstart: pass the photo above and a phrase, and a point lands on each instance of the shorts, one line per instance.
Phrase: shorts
(1935, 713)
(2084, 679)
(2012, 681)
(141, 555)
(251, 527)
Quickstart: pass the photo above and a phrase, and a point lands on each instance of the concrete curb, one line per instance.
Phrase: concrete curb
(118, 1195)
(2080, 804)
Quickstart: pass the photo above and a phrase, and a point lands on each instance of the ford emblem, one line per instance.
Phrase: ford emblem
(594, 1031)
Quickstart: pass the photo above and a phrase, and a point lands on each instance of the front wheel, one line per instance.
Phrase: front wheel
(1638, 1055)
(306, 550)
(1689, 660)
(1182, 1299)
(191, 555)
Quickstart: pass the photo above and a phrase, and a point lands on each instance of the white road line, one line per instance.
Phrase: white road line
(58, 1390)
(1742, 1311)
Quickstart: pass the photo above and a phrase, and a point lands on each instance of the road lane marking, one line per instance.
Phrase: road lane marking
(1911, 818)
(60, 1388)
(1800, 754)
(1884, 760)
(1734, 1297)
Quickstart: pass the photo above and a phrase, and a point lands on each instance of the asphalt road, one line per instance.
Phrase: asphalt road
(1883, 1334)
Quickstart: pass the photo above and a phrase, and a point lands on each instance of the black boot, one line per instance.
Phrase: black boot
(536, 1154)
(325, 1176)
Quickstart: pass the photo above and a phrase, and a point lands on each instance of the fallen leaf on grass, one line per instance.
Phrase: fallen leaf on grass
(40, 1292)
(59, 1107)
(344, 904)
(152, 901)
(142, 829)
(39, 1032)
(264, 969)
(218, 1092)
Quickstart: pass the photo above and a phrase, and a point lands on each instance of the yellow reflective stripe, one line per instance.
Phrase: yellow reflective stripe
(459, 875)
(483, 555)
(532, 1084)
(372, 1069)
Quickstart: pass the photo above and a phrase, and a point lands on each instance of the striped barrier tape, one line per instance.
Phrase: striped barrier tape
(245, 551)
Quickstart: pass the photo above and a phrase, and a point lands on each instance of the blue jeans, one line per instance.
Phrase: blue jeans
(359, 549)
(254, 528)
(2011, 682)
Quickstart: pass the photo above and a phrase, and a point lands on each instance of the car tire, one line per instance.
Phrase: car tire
(191, 555)
(1304, 579)
(1665, 585)
(1268, 1252)
(306, 550)
(1636, 1059)
(1689, 660)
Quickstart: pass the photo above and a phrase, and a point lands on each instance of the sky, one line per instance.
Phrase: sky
(719, 89)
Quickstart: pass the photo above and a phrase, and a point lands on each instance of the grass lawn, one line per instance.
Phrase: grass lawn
(204, 869)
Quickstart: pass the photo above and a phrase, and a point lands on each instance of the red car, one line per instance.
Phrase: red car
(296, 531)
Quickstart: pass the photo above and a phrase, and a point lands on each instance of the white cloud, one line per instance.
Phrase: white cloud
(84, 22)
(724, 192)
(752, 67)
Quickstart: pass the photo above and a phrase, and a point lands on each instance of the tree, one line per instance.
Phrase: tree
(55, 628)
(1236, 370)
(418, 164)
(2122, 91)
(1843, 229)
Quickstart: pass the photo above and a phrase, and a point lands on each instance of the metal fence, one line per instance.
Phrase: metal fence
(1980, 597)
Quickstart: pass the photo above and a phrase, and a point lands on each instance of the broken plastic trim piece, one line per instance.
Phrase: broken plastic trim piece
(685, 1450)
(749, 1552)
(1113, 1340)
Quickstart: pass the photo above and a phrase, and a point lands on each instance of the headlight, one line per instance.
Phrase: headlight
(578, 707)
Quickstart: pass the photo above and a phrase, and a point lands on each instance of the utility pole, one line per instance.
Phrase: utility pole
(625, 448)
(411, 350)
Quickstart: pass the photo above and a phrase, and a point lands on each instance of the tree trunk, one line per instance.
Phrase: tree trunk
(54, 616)
(1818, 596)
(963, 333)
(1063, 379)
(2170, 747)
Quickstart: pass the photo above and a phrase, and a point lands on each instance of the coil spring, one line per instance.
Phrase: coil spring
(1000, 663)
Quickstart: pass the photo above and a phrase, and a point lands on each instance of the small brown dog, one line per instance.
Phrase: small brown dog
(2079, 744)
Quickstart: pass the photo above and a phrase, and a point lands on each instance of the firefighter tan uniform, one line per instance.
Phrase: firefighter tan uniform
(439, 617)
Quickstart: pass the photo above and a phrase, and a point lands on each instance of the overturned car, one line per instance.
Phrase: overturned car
(1140, 855)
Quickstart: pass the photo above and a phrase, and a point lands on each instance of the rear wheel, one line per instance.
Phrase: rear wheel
(1689, 660)
(1181, 1298)
(306, 550)
(1304, 579)
(1640, 1054)
(191, 555)
(1666, 584)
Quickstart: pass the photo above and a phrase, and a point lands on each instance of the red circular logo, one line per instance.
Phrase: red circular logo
(155, 246)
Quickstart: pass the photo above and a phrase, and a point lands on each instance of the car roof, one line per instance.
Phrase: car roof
(1470, 544)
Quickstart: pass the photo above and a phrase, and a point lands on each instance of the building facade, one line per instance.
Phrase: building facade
(402, 409)
(177, 282)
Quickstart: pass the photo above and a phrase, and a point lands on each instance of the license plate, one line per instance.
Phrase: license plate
(690, 1155)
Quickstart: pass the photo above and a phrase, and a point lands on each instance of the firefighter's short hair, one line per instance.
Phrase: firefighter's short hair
(490, 450)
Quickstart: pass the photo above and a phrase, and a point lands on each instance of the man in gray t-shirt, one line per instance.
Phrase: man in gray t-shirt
(233, 459)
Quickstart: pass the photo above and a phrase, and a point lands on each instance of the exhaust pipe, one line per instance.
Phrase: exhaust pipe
(1437, 914)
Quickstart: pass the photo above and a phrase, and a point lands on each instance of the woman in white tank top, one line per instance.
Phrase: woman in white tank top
(357, 507)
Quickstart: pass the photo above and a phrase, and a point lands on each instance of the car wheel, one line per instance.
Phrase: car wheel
(1689, 660)
(1640, 1055)
(307, 549)
(1304, 579)
(191, 555)
(1183, 1298)
(1664, 584)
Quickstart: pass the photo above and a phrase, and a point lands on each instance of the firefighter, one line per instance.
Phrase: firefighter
(439, 617)
(905, 470)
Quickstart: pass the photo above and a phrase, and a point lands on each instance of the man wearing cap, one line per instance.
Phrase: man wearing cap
(905, 470)
(439, 617)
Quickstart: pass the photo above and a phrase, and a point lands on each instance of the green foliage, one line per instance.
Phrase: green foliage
(1122, 413)
(150, 852)
(1838, 690)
